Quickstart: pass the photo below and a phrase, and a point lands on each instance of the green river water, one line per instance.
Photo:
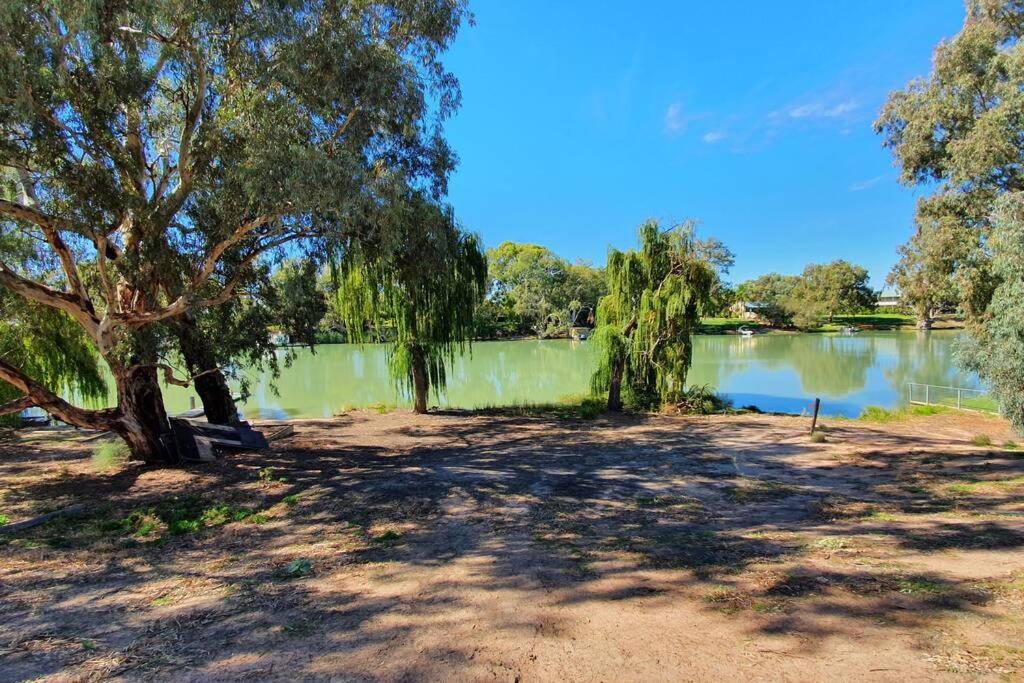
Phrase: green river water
(773, 372)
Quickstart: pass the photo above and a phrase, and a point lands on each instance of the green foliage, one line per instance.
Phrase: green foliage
(49, 346)
(268, 475)
(4, 519)
(983, 440)
(532, 290)
(423, 292)
(823, 290)
(298, 568)
(818, 437)
(185, 516)
(771, 293)
(645, 323)
(878, 414)
(996, 348)
(169, 153)
(701, 400)
(109, 455)
(388, 538)
(300, 304)
(567, 407)
(960, 130)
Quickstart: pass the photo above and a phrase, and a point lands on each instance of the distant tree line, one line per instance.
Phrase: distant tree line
(821, 292)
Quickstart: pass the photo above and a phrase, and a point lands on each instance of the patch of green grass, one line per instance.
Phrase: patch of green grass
(983, 403)
(382, 408)
(724, 325)
(291, 501)
(974, 486)
(110, 455)
(876, 320)
(4, 520)
(567, 407)
(161, 602)
(87, 644)
(186, 516)
(267, 475)
(831, 543)
(879, 414)
(880, 516)
(388, 538)
(1010, 446)
(919, 586)
(298, 627)
(982, 440)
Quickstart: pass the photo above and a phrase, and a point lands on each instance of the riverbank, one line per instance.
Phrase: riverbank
(865, 322)
(468, 547)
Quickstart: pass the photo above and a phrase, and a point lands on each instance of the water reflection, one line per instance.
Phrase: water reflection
(773, 372)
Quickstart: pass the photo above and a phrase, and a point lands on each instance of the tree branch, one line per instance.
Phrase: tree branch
(106, 418)
(186, 300)
(40, 293)
(17, 405)
(51, 226)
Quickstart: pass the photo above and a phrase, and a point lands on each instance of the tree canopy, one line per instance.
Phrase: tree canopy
(960, 129)
(538, 291)
(772, 293)
(996, 348)
(163, 149)
(825, 289)
(656, 295)
(821, 291)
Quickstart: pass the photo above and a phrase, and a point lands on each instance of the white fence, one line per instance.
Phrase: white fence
(960, 398)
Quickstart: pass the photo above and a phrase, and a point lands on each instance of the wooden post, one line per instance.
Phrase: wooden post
(814, 420)
(191, 402)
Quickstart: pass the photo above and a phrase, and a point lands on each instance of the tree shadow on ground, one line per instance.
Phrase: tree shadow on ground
(612, 510)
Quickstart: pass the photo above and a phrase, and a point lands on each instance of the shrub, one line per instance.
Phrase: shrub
(110, 455)
(701, 400)
(982, 440)
(818, 437)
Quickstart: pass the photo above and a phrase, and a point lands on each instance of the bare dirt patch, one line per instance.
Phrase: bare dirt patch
(451, 546)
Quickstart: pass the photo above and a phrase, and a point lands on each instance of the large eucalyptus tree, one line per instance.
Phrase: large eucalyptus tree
(960, 132)
(163, 148)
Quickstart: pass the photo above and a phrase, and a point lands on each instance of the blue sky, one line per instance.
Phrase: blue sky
(582, 119)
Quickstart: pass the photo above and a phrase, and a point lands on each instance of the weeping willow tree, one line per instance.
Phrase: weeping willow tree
(49, 345)
(419, 295)
(646, 321)
(46, 342)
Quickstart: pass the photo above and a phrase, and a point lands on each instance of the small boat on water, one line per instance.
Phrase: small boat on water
(746, 331)
(848, 330)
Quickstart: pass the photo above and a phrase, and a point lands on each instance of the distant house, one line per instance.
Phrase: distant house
(747, 310)
(889, 298)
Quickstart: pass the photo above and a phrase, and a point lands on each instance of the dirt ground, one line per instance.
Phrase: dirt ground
(466, 547)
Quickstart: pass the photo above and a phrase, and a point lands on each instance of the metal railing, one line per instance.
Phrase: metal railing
(960, 398)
